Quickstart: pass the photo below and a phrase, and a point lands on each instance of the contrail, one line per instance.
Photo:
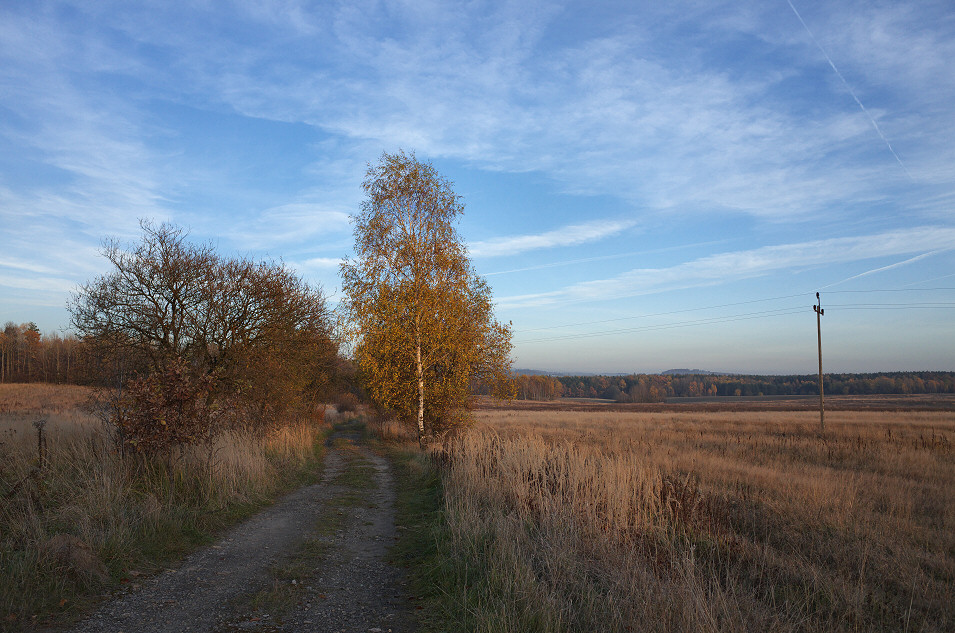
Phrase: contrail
(849, 88)
(889, 267)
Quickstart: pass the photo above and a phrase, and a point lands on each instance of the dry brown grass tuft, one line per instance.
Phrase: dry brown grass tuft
(389, 429)
(711, 521)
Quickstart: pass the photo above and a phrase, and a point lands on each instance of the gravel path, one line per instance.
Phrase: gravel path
(350, 587)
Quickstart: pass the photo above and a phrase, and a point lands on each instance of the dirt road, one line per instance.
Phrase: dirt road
(313, 562)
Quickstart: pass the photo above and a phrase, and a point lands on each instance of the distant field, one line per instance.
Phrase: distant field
(41, 397)
(695, 518)
(889, 402)
(62, 407)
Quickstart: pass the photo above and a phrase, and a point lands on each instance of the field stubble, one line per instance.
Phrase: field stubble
(708, 521)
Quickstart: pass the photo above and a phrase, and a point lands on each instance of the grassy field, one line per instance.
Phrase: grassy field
(535, 520)
(700, 521)
(76, 520)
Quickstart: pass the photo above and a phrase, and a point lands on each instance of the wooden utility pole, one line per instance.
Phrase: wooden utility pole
(822, 404)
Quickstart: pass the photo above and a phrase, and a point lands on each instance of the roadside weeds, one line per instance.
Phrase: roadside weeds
(91, 525)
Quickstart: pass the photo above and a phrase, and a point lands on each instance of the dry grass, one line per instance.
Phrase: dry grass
(86, 518)
(41, 397)
(60, 405)
(391, 430)
(708, 521)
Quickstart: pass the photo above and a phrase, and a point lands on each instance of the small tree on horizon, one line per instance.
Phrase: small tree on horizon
(420, 319)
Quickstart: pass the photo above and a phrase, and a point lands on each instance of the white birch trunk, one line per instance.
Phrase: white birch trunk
(419, 372)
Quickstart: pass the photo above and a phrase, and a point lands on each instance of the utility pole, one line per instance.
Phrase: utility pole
(822, 406)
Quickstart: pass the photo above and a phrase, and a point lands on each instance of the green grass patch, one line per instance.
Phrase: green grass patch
(330, 522)
(422, 539)
(462, 587)
(358, 474)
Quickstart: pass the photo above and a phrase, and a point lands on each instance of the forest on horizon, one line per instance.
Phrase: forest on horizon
(659, 387)
(27, 355)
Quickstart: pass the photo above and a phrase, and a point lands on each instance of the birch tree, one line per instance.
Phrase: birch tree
(420, 318)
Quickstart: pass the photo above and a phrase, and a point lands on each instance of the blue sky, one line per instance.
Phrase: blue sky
(648, 185)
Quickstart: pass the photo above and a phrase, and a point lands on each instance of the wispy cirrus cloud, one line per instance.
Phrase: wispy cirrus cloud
(26, 266)
(602, 113)
(295, 223)
(324, 263)
(612, 110)
(707, 120)
(38, 284)
(730, 266)
(564, 236)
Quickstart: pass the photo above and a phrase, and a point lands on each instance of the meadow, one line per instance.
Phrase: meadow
(702, 521)
(78, 519)
(550, 520)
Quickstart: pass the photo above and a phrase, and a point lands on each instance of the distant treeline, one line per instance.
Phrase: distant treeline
(26, 355)
(657, 388)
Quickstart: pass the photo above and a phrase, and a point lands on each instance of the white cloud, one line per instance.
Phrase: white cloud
(619, 112)
(618, 108)
(26, 265)
(91, 139)
(725, 267)
(39, 284)
(322, 262)
(564, 236)
(295, 222)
